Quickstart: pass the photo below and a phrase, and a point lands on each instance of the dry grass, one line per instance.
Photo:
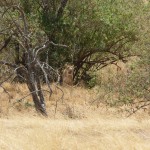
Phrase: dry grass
(73, 124)
(35, 133)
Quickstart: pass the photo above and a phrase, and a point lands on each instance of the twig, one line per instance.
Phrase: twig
(20, 100)
(137, 109)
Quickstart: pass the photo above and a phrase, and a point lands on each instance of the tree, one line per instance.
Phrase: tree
(98, 32)
(20, 41)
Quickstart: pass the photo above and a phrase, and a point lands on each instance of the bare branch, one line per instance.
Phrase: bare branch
(59, 45)
(138, 108)
(45, 75)
(21, 99)
(8, 64)
(45, 46)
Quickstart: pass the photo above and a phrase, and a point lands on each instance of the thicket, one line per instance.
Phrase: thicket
(132, 87)
(97, 32)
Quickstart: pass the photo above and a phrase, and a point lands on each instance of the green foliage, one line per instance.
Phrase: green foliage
(28, 105)
(132, 88)
(86, 26)
(98, 32)
(91, 81)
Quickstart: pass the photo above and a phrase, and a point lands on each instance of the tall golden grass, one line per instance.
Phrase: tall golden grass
(97, 133)
(75, 122)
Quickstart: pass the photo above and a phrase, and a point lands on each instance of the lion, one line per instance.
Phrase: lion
(67, 75)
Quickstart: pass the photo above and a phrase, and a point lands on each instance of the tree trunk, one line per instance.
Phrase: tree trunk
(34, 85)
(37, 94)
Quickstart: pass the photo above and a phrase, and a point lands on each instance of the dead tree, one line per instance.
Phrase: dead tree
(27, 64)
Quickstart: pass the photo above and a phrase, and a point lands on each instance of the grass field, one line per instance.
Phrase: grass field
(34, 133)
(74, 123)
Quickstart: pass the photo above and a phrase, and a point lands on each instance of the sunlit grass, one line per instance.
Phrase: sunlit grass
(37, 134)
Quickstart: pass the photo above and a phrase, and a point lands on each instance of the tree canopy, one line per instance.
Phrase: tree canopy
(97, 32)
